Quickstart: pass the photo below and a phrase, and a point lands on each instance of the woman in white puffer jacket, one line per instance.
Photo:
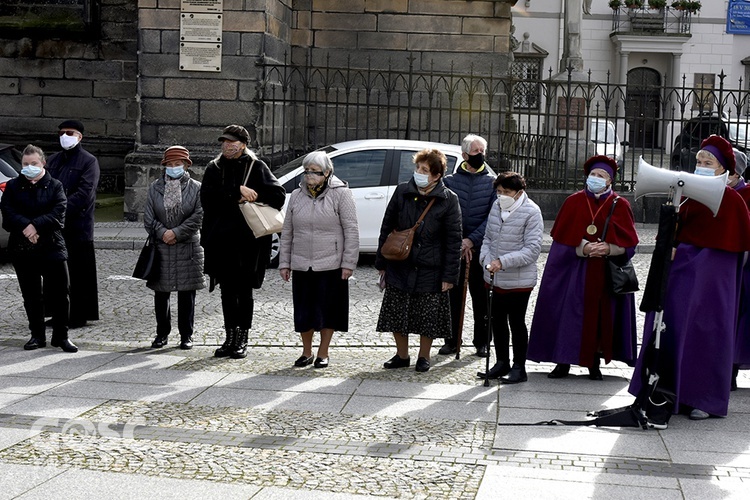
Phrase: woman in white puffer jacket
(511, 247)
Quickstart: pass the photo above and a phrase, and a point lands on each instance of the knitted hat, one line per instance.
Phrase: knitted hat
(721, 149)
(74, 124)
(235, 133)
(741, 161)
(176, 153)
(606, 163)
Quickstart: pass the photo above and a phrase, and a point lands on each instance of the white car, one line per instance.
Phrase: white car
(605, 138)
(373, 168)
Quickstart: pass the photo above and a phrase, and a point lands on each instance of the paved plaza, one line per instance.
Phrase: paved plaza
(121, 420)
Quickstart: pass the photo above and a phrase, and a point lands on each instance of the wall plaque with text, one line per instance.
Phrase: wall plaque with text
(200, 27)
(202, 5)
(199, 56)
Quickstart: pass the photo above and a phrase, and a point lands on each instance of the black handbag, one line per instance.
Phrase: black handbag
(147, 266)
(621, 275)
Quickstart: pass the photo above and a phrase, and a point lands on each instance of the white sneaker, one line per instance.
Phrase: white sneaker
(697, 414)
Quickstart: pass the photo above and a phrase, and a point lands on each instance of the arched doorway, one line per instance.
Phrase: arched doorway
(642, 107)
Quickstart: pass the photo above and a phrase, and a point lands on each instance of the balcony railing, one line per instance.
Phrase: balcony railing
(645, 21)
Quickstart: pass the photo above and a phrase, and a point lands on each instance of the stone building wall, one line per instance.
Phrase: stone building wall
(86, 74)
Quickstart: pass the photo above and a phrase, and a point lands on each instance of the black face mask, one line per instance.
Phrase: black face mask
(475, 161)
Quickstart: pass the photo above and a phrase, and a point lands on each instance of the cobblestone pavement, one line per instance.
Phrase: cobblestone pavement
(305, 445)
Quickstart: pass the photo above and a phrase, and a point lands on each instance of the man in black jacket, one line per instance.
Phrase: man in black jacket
(78, 170)
(472, 182)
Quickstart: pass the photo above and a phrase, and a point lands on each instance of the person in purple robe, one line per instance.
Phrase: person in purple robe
(742, 346)
(702, 297)
(577, 319)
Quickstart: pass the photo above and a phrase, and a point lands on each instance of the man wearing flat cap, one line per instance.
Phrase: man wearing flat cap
(78, 170)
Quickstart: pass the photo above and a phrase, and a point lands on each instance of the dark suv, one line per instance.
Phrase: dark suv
(687, 143)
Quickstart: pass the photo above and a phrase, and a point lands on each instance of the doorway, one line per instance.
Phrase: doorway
(642, 107)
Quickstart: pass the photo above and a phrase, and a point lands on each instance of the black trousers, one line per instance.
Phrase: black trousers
(236, 304)
(509, 309)
(185, 313)
(478, 301)
(42, 281)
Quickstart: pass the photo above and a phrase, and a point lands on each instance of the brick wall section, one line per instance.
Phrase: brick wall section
(45, 81)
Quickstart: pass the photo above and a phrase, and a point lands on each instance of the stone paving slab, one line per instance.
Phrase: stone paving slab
(106, 390)
(53, 406)
(18, 479)
(273, 399)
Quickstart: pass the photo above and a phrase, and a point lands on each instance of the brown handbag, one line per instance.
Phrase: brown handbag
(397, 245)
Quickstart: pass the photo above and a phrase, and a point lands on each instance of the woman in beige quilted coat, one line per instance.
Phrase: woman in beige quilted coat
(319, 251)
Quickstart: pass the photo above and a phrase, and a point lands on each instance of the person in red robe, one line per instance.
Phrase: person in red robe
(742, 346)
(702, 298)
(577, 319)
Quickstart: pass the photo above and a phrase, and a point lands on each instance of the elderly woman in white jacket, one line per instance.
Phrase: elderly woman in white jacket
(511, 247)
(319, 250)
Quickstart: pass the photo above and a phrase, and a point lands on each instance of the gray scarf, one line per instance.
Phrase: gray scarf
(172, 200)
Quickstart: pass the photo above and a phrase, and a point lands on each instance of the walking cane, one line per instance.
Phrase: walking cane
(459, 341)
(489, 328)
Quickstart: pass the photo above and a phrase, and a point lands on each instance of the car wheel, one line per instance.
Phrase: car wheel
(275, 242)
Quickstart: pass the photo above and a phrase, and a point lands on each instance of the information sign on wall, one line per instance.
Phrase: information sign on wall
(201, 35)
(738, 17)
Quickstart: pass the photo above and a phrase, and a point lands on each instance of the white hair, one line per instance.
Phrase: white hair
(471, 139)
(319, 158)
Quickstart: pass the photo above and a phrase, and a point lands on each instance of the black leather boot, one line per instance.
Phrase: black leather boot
(516, 376)
(186, 342)
(240, 345)
(35, 342)
(228, 346)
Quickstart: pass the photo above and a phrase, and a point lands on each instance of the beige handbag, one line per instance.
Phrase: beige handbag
(263, 219)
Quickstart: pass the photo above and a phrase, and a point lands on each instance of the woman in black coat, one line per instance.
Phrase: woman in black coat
(33, 207)
(234, 258)
(416, 289)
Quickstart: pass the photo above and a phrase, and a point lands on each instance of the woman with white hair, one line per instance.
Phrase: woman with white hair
(319, 249)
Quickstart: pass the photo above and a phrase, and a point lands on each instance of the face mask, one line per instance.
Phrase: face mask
(175, 172)
(229, 150)
(68, 141)
(708, 172)
(505, 201)
(421, 179)
(31, 171)
(475, 161)
(595, 184)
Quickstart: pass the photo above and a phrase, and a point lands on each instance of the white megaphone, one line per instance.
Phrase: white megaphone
(706, 190)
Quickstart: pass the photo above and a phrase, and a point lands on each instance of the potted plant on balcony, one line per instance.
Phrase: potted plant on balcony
(691, 6)
(633, 4)
(615, 4)
(657, 4)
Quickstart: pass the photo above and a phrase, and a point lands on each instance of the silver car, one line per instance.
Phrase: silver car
(373, 168)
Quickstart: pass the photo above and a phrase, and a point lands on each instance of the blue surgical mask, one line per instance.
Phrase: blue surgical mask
(595, 184)
(708, 172)
(422, 180)
(31, 171)
(175, 172)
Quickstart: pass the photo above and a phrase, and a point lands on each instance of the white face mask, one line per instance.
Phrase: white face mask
(68, 141)
(422, 180)
(505, 201)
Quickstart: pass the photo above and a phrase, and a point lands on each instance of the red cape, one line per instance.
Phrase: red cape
(575, 216)
(728, 231)
(745, 193)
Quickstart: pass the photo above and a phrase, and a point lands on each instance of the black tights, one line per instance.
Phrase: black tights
(236, 305)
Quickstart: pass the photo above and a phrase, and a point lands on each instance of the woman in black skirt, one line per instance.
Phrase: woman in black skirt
(416, 289)
(320, 243)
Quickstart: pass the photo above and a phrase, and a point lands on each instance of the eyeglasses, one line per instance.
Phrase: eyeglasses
(313, 172)
(67, 132)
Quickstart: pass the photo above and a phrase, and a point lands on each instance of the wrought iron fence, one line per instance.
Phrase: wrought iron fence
(544, 128)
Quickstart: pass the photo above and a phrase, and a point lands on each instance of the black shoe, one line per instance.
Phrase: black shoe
(240, 345)
(65, 344)
(735, 372)
(321, 363)
(186, 343)
(228, 345)
(516, 376)
(483, 352)
(500, 369)
(561, 371)
(422, 365)
(160, 341)
(447, 349)
(397, 362)
(303, 361)
(34, 343)
(595, 373)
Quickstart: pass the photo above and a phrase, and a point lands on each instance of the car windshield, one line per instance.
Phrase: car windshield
(602, 132)
(738, 134)
(288, 167)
